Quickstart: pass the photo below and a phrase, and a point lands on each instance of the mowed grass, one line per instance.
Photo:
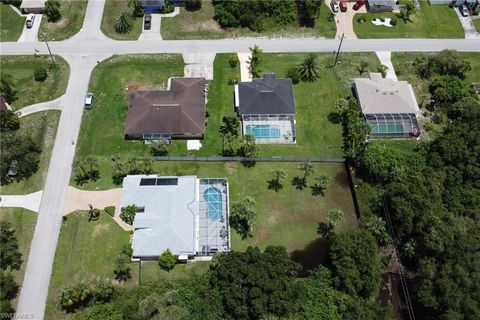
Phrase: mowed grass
(11, 24)
(403, 64)
(428, 22)
(112, 9)
(28, 90)
(73, 14)
(102, 130)
(23, 221)
(42, 127)
(201, 25)
(476, 22)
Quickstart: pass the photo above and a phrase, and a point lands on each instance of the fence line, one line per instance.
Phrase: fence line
(251, 159)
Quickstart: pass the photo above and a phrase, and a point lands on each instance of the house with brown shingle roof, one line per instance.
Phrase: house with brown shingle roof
(178, 112)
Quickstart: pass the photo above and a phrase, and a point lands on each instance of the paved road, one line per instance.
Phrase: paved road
(82, 53)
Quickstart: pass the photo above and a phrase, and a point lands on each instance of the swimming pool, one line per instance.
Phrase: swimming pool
(213, 198)
(263, 130)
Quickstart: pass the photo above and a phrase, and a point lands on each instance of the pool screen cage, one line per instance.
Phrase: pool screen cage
(213, 234)
(393, 125)
(285, 123)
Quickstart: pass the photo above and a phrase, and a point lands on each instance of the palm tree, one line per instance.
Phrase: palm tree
(308, 68)
(255, 61)
(306, 168)
(335, 216)
(362, 67)
(123, 23)
(276, 183)
(93, 214)
(320, 185)
(92, 165)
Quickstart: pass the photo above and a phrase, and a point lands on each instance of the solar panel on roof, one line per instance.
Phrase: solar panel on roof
(147, 181)
(167, 181)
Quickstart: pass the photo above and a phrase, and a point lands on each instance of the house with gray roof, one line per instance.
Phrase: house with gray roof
(185, 214)
(266, 107)
(389, 107)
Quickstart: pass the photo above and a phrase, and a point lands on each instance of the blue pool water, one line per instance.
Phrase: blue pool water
(213, 198)
(263, 130)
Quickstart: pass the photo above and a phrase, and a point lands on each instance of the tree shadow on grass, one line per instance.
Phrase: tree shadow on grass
(314, 254)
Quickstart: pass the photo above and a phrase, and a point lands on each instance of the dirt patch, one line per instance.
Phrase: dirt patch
(273, 216)
(209, 25)
(263, 234)
(135, 86)
(231, 165)
(99, 229)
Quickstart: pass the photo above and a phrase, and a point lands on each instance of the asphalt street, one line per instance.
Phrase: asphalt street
(90, 46)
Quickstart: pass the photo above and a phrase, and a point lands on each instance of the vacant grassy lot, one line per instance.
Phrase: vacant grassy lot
(23, 221)
(403, 64)
(201, 25)
(42, 127)
(428, 22)
(11, 24)
(102, 131)
(73, 14)
(112, 9)
(28, 90)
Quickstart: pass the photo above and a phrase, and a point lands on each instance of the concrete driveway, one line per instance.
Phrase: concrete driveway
(31, 35)
(56, 104)
(344, 20)
(199, 65)
(28, 201)
(468, 26)
(154, 32)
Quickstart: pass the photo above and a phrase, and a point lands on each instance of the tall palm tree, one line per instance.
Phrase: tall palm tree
(308, 68)
(123, 23)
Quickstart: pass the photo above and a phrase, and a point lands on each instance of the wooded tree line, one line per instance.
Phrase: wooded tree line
(433, 197)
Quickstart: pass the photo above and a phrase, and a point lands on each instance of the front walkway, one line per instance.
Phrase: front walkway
(244, 60)
(385, 58)
(56, 104)
(28, 201)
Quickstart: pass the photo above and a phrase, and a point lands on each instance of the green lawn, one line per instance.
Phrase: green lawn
(28, 90)
(23, 221)
(316, 135)
(476, 22)
(201, 25)
(42, 127)
(428, 22)
(112, 9)
(288, 218)
(11, 24)
(73, 14)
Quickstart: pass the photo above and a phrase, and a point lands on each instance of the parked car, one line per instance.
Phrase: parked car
(30, 20)
(359, 4)
(343, 6)
(89, 100)
(334, 6)
(147, 21)
(464, 11)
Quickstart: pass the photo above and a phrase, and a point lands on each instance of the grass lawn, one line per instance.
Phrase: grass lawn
(201, 25)
(30, 91)
(428, 22)
(316, 135)
(23, 221)
(11, 24)
(476, 22)
(42, 127)
(73, 14)
(112, 9)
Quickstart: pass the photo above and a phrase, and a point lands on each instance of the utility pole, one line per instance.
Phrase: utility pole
(48, 47)
(338, 51)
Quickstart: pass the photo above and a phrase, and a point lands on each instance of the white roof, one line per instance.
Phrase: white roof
(31, 4)
(169, 218)
(379, 95)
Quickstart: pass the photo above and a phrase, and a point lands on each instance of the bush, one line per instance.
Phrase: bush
(167, 260)
(293, 74)
(40, 73)
(233, 60)
(128, 214)
(393, 22)
(8, 121)
(362, 19)
(168, 8)
(193, 5)
(110, 210)
(52, 10)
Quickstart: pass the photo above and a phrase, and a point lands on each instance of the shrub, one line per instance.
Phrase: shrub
(8, 120)
(233, 60)
(293, 74)
(193, 5)
(393, 22)
(52, 10)
(110, 210)
(167, 260)
(128, 214)
(168, 8)
(362, 19)
(40, 73)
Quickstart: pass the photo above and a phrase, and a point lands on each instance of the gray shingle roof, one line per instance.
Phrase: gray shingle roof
(266, 96)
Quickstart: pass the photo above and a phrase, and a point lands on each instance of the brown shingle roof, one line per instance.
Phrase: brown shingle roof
(179, 111)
